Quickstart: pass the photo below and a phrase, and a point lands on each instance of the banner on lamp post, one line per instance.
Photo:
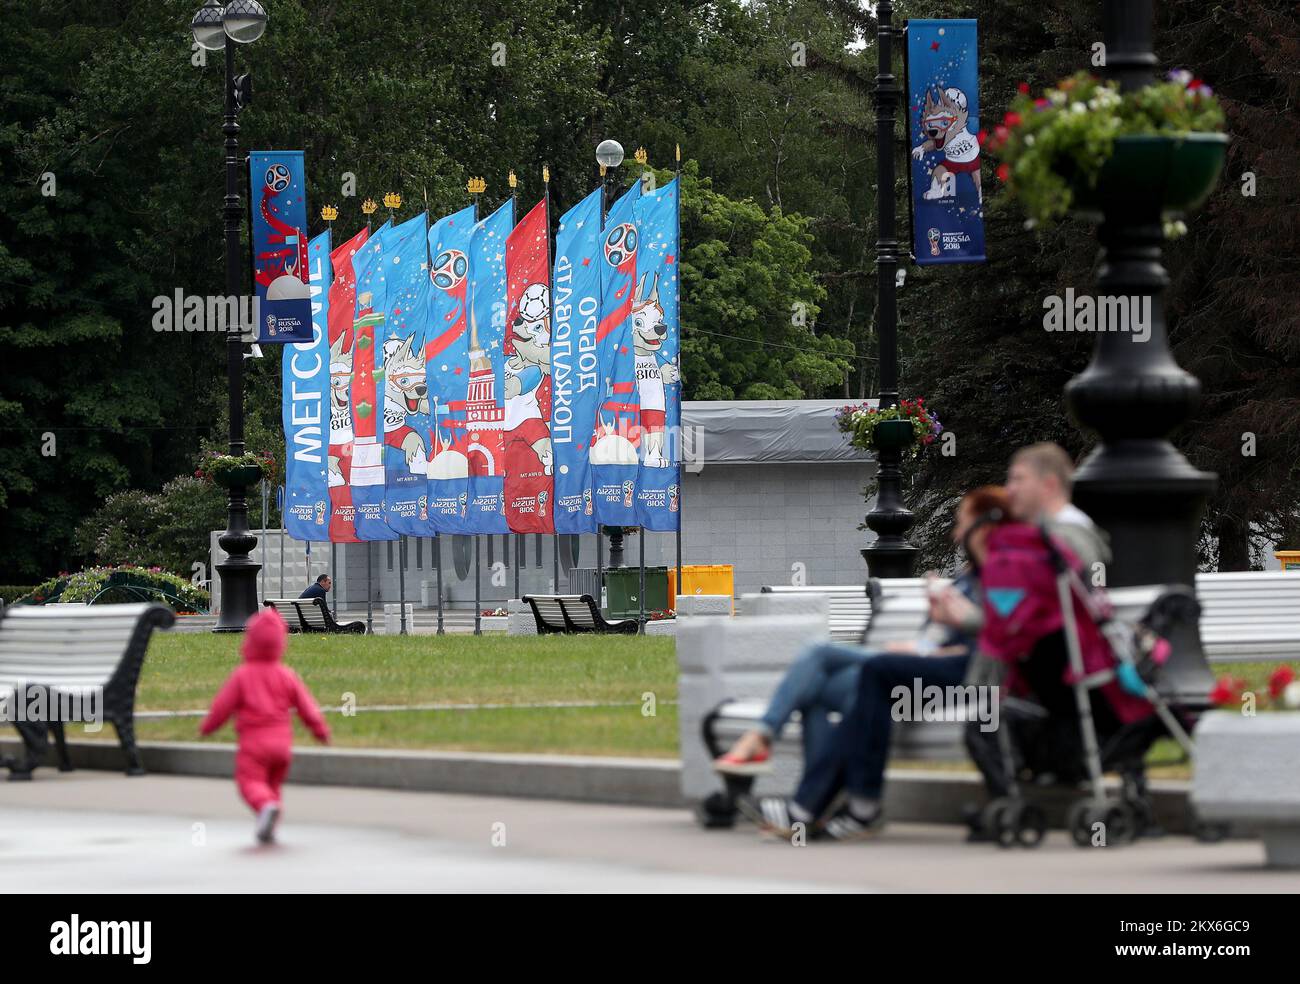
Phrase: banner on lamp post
(278, 207)
(944, 137)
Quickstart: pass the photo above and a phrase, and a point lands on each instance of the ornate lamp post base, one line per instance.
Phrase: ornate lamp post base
(239, 573)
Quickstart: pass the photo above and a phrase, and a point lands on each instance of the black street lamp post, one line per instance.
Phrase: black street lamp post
(242, 21)
(1135, 484)
(609, 155)
(890, 555)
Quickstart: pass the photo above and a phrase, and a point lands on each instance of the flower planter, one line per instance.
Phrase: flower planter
(241, 477)
(495, 623)
(1247, 774)
(1177, 173)
(893, 435)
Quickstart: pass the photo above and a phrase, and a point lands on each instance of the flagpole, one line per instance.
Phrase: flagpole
(514, 537)
(368, 207)
(680, 426)
(475, 187)
(435, 541)
(392, 201)
(642, 158)
(550, 288)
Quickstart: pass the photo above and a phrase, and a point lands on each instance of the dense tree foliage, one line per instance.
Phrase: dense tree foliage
(770, 102)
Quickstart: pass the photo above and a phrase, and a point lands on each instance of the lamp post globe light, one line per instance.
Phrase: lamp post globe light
(241, 21)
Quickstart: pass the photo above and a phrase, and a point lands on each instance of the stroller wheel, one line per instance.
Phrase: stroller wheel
(1031, 825)
(1121, 826)
(1083, 816)
(993, 821)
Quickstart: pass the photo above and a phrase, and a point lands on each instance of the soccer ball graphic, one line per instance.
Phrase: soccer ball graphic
(449, 269)
(535, 302)
(277, 178)
(620, 244)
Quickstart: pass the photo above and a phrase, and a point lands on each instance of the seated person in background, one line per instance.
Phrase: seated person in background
(320, 589)
(851, 756)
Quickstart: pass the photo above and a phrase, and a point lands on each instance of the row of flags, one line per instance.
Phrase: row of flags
(462, 379)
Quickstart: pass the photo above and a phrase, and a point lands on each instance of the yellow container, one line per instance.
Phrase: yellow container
(1289, 559)
(705, 579)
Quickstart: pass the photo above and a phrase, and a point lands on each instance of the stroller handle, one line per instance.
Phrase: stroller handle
(1059, 562)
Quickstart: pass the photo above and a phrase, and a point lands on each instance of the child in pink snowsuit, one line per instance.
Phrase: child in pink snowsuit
(259, 694)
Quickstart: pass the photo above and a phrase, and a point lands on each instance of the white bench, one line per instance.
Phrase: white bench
(74, 659)
(1249, 615)
(850, 606)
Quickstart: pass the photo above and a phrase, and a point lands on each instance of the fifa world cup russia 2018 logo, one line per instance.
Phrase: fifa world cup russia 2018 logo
(320, 513)
(672, 498)
(586, 502)
(463, 499)
(620, 244)
(270, 324)
(628, 488)
(541, 502)
(424, 507)
(935, 236)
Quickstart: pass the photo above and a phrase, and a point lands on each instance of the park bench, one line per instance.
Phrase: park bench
(1249, 615)
(574, 613)
(67, 658)
(850, 607)
(311, 615)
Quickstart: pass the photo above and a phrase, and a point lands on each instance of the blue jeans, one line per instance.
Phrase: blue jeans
(854, 757)
(822, 681)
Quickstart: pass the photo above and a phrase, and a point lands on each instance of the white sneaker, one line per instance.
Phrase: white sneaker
(267, 817)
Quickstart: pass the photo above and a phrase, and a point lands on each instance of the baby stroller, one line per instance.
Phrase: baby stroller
(1078, 694)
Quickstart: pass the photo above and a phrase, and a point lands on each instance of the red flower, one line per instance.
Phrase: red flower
(1004, 172)
(982, 136)
(1012, 119)
(1001, 133)
(1041, 103)
(1023, 88)
(1278, 682)
(1225, 692)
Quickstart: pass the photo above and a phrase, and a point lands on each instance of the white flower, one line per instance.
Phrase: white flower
(1057, 97)
(1078, 108)
(1029, 139)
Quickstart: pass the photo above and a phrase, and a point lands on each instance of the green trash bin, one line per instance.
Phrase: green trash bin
(622, 591)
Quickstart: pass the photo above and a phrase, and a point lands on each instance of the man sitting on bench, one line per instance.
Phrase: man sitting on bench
(319, 590)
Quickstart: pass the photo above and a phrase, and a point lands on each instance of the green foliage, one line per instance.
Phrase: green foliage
(118, 585)
(169, 530)
(1053, 144)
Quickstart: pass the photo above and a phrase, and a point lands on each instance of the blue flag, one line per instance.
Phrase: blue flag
(943, 132)
(446, 353)
(614, 450)
(305, 375)
(367, 475)
(656, 341)
(278, 234)
(485, 411)
(576, 383)
(406, 386)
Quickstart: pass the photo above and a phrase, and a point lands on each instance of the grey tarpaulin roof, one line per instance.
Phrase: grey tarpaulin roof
(739, 432)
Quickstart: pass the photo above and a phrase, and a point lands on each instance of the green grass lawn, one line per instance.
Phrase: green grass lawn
(184, 671)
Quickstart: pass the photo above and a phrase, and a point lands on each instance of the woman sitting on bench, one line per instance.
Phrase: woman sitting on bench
(824, 680)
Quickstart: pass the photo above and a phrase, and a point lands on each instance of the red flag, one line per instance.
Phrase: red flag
(342, 304)
(529, 481)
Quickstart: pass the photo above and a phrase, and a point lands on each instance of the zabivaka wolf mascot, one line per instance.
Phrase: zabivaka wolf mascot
(653, 370)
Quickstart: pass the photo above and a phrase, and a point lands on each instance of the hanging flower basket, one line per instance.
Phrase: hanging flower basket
(1084, 146)
(237, 471)
(908, 427)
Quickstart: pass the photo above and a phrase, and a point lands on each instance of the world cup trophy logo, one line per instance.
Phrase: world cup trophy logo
(463, 499)
(320, 513)
(628, 488)
(934, 236)
(672, 498)
(586, 502)
(270, 324)
(449, 269)
(541, 502)
(424, 507)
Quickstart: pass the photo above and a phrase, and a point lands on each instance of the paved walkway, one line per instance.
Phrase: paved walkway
(90, 831)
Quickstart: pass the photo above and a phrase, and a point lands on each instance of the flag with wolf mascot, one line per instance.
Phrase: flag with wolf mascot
(304, 385)
(406, 387)
(367, 477)
(342, 313)
(575, 383)
(655, 330)
(446, 355)
(485, 412)
(529, 463)
(614, 447)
